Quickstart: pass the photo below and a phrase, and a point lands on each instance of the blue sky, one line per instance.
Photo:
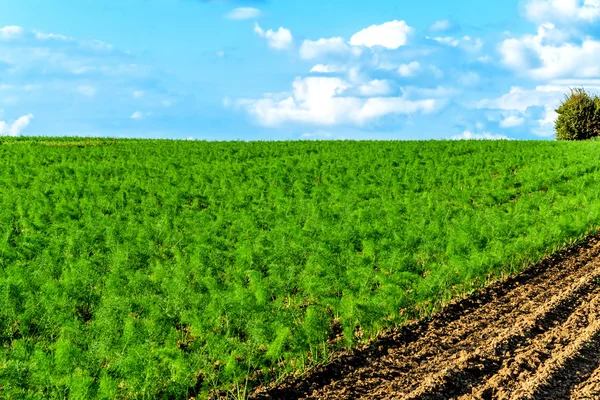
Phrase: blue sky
(280, 70)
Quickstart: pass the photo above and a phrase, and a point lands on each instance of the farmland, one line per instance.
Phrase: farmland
(534, 336)
(169, 269)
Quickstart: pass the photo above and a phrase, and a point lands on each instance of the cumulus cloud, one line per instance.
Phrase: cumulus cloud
(443, 25)
(311, 49)
(376, 87)
(439, 92)
(51, 36)
(470, 44)
(52, 55)
(512, 121)
(468, 135)
(10, 32)
(540, 101)
(466, 43)
(280, 39)
(548, 55)
(242, 13)
(409, 69)
(370, 88)
(448, 40)
(390, 35)
(572, 11)
(16, 127)
(321, 101)
(327, 68)
(518, 99)
(51, 72)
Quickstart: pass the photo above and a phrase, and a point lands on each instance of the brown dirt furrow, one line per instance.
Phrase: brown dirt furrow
(458, 374)
(549, 349)
(403, 366)
(533, 387)
(576, 370)
(590, 388)
(475, 346)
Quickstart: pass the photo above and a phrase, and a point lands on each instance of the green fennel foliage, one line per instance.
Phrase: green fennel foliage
(167, 269)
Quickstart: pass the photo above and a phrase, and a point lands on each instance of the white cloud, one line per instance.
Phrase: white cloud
(390, 35)
(468, 135)
(409, 69)
(512, 121)
(471, 45)
(45, 70)
(16, 127)
(469, 79)
(47, 36)
(519, 100)
(546, 124)
(140, 115)
(320, 101)
(317, 135)
(86, 90)
(98, 45)
(442, 25)
(242, 13)
(466, 43)
(327, 68)
(376, 87)
(377, 107)
(278, 40)
(439, 92)
(448, 40)
(571, 11)
(355, 76)
(36, 57)
(312, 49)
(548, 55)
(10, 32)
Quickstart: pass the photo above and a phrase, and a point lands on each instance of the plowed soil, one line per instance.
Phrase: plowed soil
(533, 336)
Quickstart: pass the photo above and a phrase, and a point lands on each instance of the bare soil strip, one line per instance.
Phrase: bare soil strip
(589, 388)
(533, 336)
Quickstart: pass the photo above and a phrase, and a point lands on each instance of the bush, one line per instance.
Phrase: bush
(578, 116)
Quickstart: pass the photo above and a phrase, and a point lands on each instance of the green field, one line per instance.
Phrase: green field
(167, 269)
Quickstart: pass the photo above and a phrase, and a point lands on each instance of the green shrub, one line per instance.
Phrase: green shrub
(578, 116)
